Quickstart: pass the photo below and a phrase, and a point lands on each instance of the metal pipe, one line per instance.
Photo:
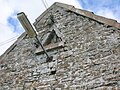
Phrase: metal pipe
(42, 48)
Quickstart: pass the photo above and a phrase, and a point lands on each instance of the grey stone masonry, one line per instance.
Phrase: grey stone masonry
(85, 51)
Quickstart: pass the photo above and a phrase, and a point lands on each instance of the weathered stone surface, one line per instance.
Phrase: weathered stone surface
(89, 60)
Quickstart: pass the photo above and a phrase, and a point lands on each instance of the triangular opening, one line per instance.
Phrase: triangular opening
(50, 38)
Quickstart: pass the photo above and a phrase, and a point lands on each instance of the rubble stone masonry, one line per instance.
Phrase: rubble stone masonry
(87, 59)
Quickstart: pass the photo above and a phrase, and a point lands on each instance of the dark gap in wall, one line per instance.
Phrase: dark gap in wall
(53, 72)
(51, 67)
(108, 26)
(49, 59)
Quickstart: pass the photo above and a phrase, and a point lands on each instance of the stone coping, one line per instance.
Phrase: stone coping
(88, 14)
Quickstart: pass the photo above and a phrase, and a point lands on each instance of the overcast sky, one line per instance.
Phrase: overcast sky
(10, 28)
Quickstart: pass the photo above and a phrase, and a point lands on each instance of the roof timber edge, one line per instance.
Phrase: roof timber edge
(88, 14)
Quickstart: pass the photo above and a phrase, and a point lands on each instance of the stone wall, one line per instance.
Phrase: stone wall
(88, 60)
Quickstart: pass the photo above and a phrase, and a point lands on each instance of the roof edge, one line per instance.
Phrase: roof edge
(91, 15)
(14, 44)
(88, 14)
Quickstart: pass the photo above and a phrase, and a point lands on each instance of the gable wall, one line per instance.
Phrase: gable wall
(89, 59)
